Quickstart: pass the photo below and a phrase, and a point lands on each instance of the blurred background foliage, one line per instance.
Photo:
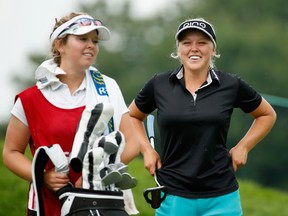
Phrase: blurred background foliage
(251, 38)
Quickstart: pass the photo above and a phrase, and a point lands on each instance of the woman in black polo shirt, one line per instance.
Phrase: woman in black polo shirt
(194, 104)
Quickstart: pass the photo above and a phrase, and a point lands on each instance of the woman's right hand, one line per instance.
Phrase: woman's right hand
(152, 161)
(55, 180)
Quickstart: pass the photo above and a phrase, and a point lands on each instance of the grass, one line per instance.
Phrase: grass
(256, 200)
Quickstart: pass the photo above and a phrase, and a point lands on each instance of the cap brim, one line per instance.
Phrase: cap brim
(103, 32)
(197, 28)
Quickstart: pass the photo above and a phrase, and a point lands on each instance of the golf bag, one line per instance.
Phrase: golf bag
(95, 155)
(75, 201)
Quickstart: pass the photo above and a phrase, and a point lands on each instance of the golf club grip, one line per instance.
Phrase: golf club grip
(150, 128)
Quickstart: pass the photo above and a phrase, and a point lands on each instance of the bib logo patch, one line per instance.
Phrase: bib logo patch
(99, 83)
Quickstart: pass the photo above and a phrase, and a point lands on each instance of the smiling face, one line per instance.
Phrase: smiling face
(195, 50)
(79, 52)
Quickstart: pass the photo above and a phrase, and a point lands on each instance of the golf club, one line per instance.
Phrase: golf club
(155, 195)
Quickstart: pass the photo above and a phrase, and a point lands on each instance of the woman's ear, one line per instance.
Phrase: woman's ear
(214, 51)
(59, 45)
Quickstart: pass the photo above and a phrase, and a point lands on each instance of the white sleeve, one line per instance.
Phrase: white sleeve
(18, 111)
(117, 96)
(117, 99)
(121, 101)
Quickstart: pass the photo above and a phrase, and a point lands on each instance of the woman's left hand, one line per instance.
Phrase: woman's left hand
(54, 180)
(239, 157)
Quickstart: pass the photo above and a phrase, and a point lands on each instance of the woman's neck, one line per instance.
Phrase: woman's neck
(194, 80)
(72, 79)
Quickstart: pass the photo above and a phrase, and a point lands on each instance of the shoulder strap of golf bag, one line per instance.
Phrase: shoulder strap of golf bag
(38, 165)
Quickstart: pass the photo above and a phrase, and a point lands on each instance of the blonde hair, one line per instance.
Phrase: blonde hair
(62, 40)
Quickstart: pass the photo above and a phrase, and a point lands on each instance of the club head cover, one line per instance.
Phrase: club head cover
(92, 164)
(58, 158)
(92, 124)
(109, 145)
(120, 140)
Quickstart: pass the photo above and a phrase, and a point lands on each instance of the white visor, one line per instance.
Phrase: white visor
(73, 27)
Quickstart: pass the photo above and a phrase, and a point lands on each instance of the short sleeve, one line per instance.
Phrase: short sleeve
(18, 111)
(145, 100)
(248, 98)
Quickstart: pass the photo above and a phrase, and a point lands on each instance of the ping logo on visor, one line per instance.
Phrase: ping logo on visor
(200, 25)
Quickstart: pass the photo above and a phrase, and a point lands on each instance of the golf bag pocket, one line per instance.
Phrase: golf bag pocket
(83, 202)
